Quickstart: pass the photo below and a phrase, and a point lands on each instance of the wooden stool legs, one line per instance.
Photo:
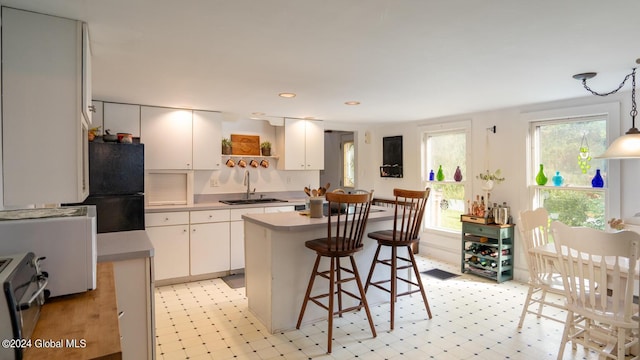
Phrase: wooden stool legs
(336, 288)
(393, 279)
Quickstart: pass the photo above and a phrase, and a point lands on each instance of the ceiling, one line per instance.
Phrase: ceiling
(402, 60)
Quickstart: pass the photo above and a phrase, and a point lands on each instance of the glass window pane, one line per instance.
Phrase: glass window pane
(559, 150)
(575, 207)
(448, 150)
(446, 204)
(447, 198)
(349, 170)
(569, 147)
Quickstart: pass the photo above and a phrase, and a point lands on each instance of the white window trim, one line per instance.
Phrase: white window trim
(612, 113)
(446, 127)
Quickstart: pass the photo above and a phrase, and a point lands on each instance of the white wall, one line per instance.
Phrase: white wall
(507, 151)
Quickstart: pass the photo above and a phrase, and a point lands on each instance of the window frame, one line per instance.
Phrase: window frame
(611, 113)
(463, 126)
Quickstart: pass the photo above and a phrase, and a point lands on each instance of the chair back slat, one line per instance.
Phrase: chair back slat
(534, 232)
(346, 229)
(589, 256)
(409, 211)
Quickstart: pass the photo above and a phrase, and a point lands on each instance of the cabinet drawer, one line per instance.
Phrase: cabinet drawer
(236, 214)
(166, 218)
(208, 216)
(481, 230)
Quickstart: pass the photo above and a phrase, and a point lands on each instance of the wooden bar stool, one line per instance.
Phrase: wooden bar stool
(409, 210)
(344, 238)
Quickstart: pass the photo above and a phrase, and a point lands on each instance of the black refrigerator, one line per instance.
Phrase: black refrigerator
(116, 185)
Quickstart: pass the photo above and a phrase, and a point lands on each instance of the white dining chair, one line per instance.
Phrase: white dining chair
(588, 256)
(543, 278)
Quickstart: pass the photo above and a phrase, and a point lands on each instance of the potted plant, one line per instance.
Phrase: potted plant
(226, 146)
(490, 178)
(266, 148)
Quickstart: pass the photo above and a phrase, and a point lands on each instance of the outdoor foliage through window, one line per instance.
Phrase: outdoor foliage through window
(557, 146)
(447, 199)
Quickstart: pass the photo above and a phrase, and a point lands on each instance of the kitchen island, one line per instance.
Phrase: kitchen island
(278, 265)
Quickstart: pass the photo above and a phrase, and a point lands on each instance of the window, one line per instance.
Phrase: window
(348, 161)
(446, 145)
(567, 147)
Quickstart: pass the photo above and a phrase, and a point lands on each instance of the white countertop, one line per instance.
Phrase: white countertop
(216, 205)
(124, 245)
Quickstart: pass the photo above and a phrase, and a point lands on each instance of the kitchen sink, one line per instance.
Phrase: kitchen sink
(251, 201)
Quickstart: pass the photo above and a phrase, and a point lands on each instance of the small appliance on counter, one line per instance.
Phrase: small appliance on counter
(66, 237)
(23, 296)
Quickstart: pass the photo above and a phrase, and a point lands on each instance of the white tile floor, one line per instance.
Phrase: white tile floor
(473, 318)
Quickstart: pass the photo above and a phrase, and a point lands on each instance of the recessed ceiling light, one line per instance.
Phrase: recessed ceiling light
(309, 118)
(287, 95)
(352, 103)
(257, 113)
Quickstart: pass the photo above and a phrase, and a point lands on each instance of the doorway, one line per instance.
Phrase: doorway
(339, 160)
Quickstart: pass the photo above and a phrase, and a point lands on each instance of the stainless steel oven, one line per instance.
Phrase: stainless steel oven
(23, 286)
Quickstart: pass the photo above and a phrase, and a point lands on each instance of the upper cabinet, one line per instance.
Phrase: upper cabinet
(207, 132)
(122, 118)
(302, 145)
(178, 139)
(87, 107)
(44, 130)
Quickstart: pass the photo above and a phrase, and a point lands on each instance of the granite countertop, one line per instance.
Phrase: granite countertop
(124, 245)
(296, 221)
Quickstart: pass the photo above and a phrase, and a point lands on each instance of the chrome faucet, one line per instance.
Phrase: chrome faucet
(247, 181)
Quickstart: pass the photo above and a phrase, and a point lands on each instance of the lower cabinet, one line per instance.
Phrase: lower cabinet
(169, 234)
(134, 292)
(209, 241)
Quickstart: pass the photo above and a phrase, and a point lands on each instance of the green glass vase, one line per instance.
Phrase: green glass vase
(440, 175)
(541, 178)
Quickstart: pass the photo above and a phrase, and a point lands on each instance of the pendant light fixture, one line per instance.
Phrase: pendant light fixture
(628, 145)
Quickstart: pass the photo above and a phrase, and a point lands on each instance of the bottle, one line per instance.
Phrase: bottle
(597, 181)
(431, 175)
(541, 178)
(457, 176)
(440, 175)
(557, 179)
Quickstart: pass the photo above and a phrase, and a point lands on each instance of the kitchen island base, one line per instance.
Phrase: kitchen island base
(278, 266)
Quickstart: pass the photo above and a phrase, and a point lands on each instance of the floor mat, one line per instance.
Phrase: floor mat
(440, 274)
(234, 281)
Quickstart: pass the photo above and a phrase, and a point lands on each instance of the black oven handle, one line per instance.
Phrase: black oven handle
(42, 283)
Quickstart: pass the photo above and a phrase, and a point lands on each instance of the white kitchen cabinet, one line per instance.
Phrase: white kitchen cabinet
(209, 248)
(135, 296)
(178, 139)
(209, 241)
(207, 132)
(169, 234)
(123, 118)
(302, 145)
(237, 236)
(87, 107)
(167, 135)
(44, 145)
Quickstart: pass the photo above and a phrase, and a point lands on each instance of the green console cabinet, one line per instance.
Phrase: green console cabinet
(488, 250)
